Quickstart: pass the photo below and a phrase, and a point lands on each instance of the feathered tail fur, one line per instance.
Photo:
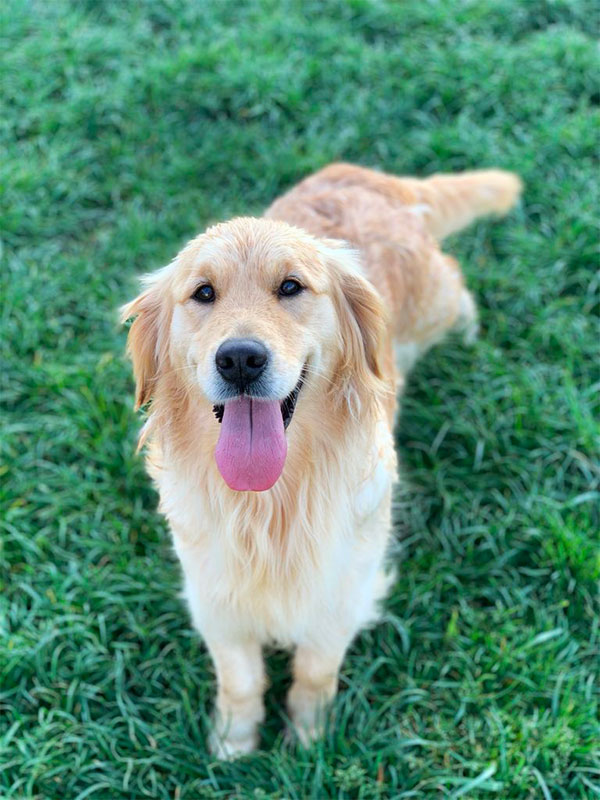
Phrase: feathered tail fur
(451, 202)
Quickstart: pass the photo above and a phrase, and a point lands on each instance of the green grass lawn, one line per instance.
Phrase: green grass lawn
(125, 128)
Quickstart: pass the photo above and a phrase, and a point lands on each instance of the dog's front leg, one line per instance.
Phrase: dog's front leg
(316, 668)
(240, 686)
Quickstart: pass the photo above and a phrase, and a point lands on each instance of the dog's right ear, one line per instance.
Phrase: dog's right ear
(147, 340)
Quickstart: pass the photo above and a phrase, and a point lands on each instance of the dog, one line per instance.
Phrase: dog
(270, 354)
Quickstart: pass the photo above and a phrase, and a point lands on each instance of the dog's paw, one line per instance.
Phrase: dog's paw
(470, 333)
(468, 321)
(306, 735)
(227, 748)
(306, 727)
(309, 710)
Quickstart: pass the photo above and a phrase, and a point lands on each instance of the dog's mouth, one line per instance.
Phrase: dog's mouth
(288, 406)
(252, 446)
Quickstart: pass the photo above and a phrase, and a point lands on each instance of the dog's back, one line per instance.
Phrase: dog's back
(396, 224)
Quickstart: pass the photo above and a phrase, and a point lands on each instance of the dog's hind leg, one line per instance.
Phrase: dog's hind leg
(468, 318)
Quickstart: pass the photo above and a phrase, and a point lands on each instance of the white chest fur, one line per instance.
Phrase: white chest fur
(274, 564)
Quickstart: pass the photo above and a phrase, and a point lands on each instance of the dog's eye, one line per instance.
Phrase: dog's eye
(204, 293)
(289, 287)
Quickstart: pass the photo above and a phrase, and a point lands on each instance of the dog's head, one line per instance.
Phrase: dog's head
(250, 316)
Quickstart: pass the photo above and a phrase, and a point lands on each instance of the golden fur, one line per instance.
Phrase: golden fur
(302, 563)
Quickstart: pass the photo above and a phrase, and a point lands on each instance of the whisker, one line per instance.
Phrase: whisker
(309, 370)
(177, 369)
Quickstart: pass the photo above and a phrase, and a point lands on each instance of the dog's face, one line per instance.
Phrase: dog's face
(248, 315)
(251, 313)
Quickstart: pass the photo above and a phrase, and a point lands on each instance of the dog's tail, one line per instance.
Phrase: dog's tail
(451, 202)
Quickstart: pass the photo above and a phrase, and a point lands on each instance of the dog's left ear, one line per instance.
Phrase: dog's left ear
(363, 327)
(147, 340)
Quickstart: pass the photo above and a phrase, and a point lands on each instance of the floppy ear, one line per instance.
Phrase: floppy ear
(146, 342)
(363, 328)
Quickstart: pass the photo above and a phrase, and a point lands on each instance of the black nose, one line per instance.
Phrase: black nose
(241, 361)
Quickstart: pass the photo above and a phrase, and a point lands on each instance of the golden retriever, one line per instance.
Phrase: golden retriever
(270, 352)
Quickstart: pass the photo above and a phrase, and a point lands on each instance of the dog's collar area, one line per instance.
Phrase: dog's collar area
(288, 406)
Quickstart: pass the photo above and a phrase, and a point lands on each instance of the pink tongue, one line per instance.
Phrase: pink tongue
(252, 447)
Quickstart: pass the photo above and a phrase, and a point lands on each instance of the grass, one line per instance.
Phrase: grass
(126, 128)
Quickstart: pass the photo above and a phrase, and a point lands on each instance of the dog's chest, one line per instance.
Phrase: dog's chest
(272, 562)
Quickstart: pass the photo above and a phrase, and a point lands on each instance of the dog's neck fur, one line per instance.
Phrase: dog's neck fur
(265, 537)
